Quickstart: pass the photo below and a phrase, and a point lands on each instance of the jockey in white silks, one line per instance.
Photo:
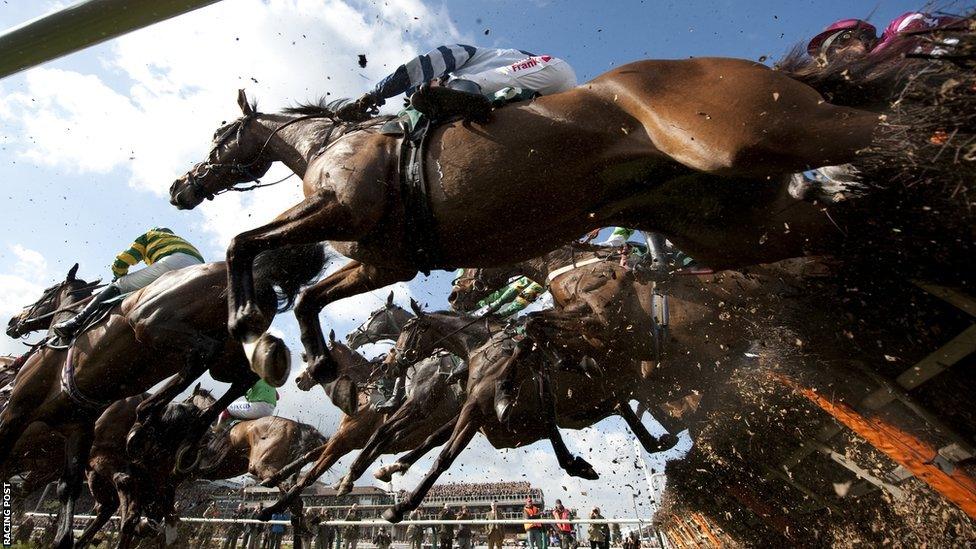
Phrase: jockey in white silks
(470, 76)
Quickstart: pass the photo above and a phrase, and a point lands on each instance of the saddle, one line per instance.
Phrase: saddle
(412, 127)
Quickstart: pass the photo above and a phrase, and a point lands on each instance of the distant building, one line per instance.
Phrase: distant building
(372, 500)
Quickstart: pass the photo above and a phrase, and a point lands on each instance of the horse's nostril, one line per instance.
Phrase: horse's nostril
(451, 298)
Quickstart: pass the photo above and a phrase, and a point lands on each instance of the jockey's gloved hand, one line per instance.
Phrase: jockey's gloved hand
(359, 109)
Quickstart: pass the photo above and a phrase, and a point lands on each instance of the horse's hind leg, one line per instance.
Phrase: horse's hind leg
(440, 436)
(106, 503)
(354, 278)
(650, 443)
(468, 423)
(238, 388)
(76, 449)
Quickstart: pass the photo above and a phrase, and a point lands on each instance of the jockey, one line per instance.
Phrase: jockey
(511, 298)
(471, 75)
(259, 401)
(161, 251)
(856, 38)
(656, 244)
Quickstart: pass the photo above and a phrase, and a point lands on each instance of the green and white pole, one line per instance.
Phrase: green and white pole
(80, 25)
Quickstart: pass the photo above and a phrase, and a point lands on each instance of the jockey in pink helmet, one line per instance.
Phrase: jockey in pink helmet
(901, 27)
(857, 38)
(847, 37)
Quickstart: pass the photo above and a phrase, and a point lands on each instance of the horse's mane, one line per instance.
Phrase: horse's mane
(327, 108)
(322, 106)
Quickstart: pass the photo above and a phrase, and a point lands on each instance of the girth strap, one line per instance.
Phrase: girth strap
(70, 387)
(419, 223)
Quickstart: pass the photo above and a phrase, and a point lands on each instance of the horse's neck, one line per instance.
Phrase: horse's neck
(294, 145)
(461, 339)
(67, 300)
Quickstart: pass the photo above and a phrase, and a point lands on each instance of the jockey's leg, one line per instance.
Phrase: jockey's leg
(67, 328)
(352, 279)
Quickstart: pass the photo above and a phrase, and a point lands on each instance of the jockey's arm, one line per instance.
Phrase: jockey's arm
(129, 257)
(437, 63)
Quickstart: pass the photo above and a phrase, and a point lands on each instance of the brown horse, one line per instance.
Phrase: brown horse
(575, 400)
(172, 326)
(699, 150)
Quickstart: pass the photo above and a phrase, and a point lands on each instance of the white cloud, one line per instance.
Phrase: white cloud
(29, 263)
(182, 76)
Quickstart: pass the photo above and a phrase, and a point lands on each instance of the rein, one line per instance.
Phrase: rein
(243, 169)
(48, 295)
(433, 346)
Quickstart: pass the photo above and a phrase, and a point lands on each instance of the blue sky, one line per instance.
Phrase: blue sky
(90, 142)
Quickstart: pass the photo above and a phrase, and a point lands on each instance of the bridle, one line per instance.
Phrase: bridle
(48, 295)
(364, 329)
(412, 352)
(245, 172)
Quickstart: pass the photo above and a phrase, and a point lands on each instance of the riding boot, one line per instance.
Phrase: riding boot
(399, 395)
(66, 329)
(458, 98)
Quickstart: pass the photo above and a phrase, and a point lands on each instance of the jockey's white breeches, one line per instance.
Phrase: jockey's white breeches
(242, 409)
(541, 73)
(143, 277)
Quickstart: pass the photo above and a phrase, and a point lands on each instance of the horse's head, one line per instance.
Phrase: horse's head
(200, 398)
(41, 314)
(384, 323)
(237, 156)
(420, 337)
(472, 285)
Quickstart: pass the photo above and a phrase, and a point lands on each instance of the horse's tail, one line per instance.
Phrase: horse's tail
(287, 270)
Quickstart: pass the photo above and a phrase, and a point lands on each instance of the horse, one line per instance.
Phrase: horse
(261, 448)
(574, 400)
(169, 327)
(699, 150)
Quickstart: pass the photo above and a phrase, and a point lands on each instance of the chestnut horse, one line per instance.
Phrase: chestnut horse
(172, 326)
(699, 150)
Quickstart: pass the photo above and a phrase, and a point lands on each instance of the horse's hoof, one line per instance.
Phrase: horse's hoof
(266, 514)
(580, 468)
(247, 323)
(135, 443)
(386, 472)
(393, 515)
(270, 359)
(666, 442)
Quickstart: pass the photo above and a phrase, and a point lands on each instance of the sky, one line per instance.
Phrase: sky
(90, 143)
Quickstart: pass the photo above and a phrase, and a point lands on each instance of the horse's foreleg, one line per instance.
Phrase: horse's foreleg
(468, 423)
(440, 436)
(354, 278)
(383, 438)
(318, 218)
(650, 443)
(76, 449)
(574, 465)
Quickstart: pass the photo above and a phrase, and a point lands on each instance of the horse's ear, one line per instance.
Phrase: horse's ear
(389, 299)
(332, 336)
(416, 307)
(71, 273)
(243, 103)
(196, 390)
